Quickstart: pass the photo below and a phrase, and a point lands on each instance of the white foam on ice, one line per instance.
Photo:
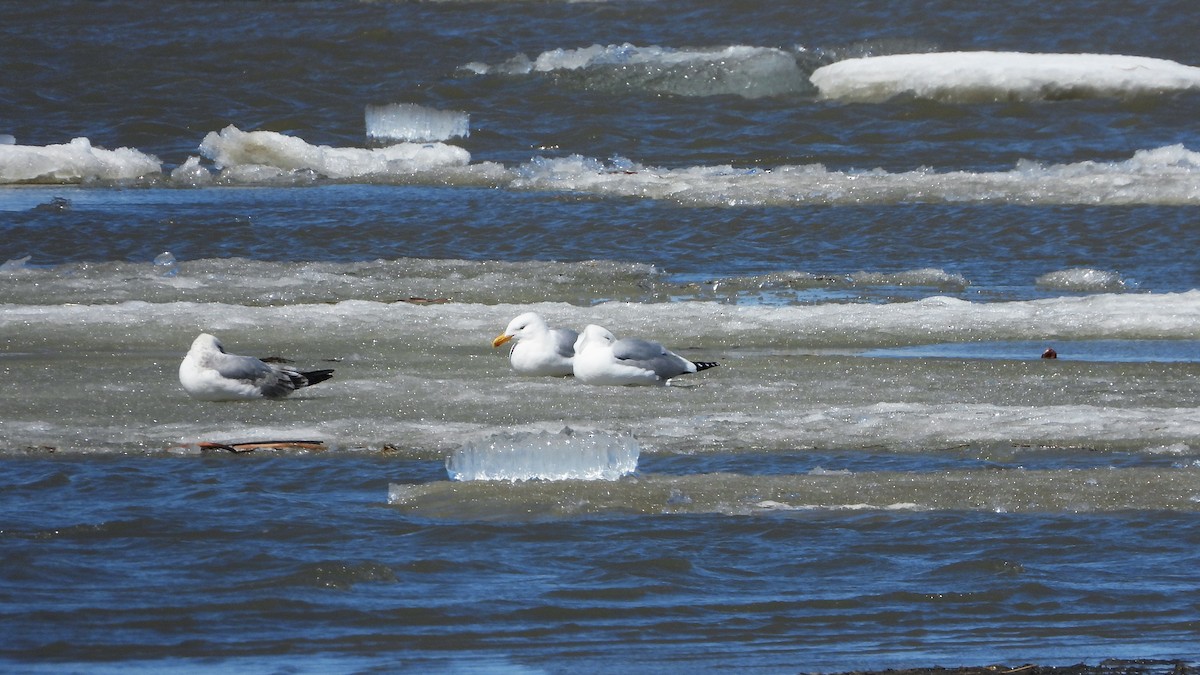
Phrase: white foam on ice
(409, 122)
(1001, 76)
(1168, 175)
(1165, 175)
(73, 162)
(254, 282)
(566, 455)
(1119, 316)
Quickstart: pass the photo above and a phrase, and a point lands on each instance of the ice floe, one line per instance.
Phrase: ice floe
(73, 162)
(566, 455)
(1001, 76)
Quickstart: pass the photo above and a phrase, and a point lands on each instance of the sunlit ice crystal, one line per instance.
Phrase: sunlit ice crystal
(565, 455)
(165, 264)
(414, 123)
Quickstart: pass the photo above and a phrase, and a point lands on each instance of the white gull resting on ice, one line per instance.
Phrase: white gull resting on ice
(600, 358)
(537, 348)
(210, 374)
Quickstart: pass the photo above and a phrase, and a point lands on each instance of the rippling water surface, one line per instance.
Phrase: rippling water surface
(882, 472)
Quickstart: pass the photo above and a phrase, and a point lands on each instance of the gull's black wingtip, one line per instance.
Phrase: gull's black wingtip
(314, 376)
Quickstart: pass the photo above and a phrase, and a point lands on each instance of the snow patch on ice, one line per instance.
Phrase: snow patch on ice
(1001, 76)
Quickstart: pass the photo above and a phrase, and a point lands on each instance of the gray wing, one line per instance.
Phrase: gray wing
(564, 342)
(651, 356)
(273, 381)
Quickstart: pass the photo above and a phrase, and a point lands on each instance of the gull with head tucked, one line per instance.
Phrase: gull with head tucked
(537, 348)
(600, 358)
(209, 373)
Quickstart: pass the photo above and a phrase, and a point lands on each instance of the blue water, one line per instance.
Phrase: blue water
(999, 249)
(399, 593)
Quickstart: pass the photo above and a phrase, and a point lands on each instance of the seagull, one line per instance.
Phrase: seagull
(538, 349)
(209, 373)
(600, 358)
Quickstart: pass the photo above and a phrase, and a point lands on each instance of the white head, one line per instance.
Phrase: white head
(206, 342)
(525, 325)
(594, 335)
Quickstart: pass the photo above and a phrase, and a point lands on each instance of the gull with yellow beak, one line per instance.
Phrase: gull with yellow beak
(538, 349)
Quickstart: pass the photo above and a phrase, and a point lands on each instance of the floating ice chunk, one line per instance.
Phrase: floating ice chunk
(414, 123)
(191, 173)
(821, 471)
(235, 150)
(1081, 279)
(1001, 76)
(1172, 449)
(165, 264)
(737, 69)
(15, 264)
(55, 205)
(72, 162)
(933, 277)
(8, 139)
(772, 505)
(1156, 160)
(574, 59)
(1166, 175)
(517, 65)
(566, 455)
